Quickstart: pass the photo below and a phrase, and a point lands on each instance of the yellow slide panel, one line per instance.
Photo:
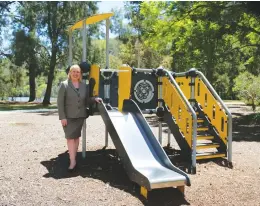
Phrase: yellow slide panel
(124, 85)
(178, 109)
(184, 82)
(211, 108)
(94, 73)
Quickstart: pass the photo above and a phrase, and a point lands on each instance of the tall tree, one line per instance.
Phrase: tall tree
(25, 44)
(52, 21)
(118, 26)
(220, 38)
(24, 48)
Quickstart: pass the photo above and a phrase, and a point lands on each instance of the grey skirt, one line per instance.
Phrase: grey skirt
(73, 128)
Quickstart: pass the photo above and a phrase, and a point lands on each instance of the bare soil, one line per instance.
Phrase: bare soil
(34, 158)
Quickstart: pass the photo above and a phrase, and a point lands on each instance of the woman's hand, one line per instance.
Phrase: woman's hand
(64, 122)
(98, 100)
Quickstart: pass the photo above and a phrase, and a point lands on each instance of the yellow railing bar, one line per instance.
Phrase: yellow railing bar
(124, 85)
(178, 109)
(212, 108)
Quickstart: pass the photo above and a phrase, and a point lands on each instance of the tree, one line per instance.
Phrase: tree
(248, 88)
(53, 19)
(24, 49)
(133, 51)
(135, 17)
(11, 79)
(26, 44)
(118, 26)
(219, 38)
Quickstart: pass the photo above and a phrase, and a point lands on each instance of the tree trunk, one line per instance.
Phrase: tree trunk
(47, 96)
(253, 104)
(32, 83)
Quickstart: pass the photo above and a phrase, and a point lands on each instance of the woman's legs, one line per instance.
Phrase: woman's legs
(76, 144)
(72, 152)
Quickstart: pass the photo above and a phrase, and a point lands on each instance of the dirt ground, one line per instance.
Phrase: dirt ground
(33, 162)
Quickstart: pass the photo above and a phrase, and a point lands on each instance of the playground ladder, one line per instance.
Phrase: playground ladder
(214, 122)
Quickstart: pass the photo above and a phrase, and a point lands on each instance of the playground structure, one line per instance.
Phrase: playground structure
(196, 117)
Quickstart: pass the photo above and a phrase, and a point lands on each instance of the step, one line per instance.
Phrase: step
(209, 155)
(204, 137)
(202, 129)
(200, 120)
(207, 146)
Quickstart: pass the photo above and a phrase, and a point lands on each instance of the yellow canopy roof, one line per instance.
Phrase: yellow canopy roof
(91, 20)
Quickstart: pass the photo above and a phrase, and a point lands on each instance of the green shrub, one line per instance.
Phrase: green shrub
(248, 88)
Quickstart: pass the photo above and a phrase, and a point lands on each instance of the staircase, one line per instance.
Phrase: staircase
(209, 144)
(213, 127)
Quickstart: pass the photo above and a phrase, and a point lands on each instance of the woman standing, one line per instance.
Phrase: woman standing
(73, 99)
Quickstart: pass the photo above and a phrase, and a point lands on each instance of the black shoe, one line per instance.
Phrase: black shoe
(73, 169)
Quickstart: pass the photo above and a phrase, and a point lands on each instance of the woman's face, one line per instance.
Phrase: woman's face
(75, 74)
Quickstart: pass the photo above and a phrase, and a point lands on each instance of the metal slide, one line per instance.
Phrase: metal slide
(143, 158)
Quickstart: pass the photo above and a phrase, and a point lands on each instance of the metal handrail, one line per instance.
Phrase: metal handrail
(143, 70)
(180, 74)
(214, 93)
(194, 117)
(112, 70)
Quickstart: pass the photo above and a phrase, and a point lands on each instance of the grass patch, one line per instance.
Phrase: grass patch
(10, 106)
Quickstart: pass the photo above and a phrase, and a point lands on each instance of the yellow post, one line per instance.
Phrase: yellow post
(94, 73)
(144, 192)
(124, 85)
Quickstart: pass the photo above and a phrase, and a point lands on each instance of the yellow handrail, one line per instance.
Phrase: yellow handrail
(211, 108)
(209, 104)
(178, 109)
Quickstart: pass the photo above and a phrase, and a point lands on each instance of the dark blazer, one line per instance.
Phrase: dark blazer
(72, 103)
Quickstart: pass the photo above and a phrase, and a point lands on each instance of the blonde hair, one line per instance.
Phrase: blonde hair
(75, 66)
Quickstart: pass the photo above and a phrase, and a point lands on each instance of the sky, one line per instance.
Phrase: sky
(106, 6)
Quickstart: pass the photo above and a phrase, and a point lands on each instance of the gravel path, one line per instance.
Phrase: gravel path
(33, 164)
